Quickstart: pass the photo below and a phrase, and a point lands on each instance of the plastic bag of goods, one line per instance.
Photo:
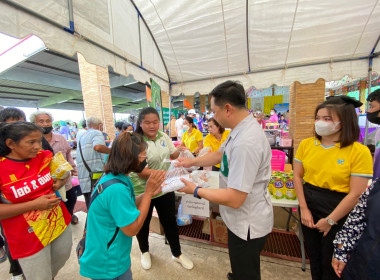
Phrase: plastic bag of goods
(183, 219)
(278, 186)
(200, 178)
(290, 192)
(188, 154)
(173, 178)
(60, 169)
(203, 152)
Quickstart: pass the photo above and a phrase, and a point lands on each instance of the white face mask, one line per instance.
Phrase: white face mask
(185, 127)
(271, 113)
(326, 128)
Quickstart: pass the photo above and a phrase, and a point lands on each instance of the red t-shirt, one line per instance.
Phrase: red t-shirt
(22, 181)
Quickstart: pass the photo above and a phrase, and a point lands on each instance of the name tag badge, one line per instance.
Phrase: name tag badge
(224, 165)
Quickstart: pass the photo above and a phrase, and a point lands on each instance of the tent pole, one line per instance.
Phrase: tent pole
(170, 110)
(369, 92)
(371, 56)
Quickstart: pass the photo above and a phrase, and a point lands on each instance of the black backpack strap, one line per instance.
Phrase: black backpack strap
(99, 190)
(103, 186)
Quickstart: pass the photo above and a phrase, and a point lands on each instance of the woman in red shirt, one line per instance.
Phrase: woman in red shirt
(34, 220)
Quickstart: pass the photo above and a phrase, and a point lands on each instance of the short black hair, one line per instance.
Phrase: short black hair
(231, 92)
(12, 113)
(126, 125)
(374, 96)
(119, 125)
(84, 124)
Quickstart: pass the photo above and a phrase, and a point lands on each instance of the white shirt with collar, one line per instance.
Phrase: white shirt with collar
(249, 170)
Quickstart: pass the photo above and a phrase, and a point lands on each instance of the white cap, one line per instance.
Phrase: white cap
(191, 111)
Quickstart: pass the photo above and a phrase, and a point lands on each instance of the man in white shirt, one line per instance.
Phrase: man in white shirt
(179, 126)
(245, 158)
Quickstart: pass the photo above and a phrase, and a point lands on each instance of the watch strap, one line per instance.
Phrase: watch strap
(196, 192)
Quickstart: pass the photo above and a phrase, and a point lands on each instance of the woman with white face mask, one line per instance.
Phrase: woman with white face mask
(331, 170)
(192, 138)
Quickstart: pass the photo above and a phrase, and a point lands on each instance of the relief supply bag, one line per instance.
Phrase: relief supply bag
(173, 177)
(60, 169)
(188, 154)
(203, 152)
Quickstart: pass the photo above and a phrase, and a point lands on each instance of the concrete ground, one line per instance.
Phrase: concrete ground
(210, 262)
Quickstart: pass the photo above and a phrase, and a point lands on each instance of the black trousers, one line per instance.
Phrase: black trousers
(245, 256)
(15, 268)
(321, 202)
(87, 199)
(165, 206)
(71, 197)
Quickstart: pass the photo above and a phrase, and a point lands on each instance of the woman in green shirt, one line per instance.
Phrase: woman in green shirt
(160, 148)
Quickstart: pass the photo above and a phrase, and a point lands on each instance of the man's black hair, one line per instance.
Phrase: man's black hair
(231, 92)
(374, 96)
(119, 125)
(12, 113)
(84, 124)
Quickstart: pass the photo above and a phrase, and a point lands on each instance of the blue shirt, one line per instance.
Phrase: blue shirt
(94, 159)
(114, 207)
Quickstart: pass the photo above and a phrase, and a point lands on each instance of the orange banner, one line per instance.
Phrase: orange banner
(186, 103)
(148, 94)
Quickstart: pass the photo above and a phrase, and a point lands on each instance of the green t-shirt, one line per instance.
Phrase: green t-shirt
(158, 150)
(114, 207)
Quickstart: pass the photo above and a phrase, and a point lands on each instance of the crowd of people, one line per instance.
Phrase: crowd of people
(121, 182)
(274, 120)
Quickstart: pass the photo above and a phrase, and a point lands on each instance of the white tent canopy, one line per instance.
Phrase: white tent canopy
(190, 45)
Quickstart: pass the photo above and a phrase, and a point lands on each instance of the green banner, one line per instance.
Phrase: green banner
(173, 112)
(156, 99)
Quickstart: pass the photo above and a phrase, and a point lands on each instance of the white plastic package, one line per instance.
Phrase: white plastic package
(188, 154)
(173, 178)
(200, 178)
(174, 174)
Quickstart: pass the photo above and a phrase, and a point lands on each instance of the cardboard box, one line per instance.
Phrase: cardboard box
(206, 226)
(218, 229)
(155, 225)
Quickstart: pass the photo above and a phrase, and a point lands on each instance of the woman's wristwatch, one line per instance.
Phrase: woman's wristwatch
(330, 221)
(196, 192)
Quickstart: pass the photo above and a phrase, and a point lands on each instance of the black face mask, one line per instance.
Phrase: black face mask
(141, 166)
(374, 117)
(46, 130)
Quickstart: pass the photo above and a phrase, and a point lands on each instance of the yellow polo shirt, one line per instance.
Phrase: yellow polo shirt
(331, 167)
(211, 141)
(191, 141)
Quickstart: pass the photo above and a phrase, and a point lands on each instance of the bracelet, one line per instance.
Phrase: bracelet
(196, 192)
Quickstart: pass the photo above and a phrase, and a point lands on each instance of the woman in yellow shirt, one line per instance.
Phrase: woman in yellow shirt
(335, 170)
(215, 138)
(192, 138)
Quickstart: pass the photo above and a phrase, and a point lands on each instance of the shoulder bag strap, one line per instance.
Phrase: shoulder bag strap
(99, 190)
(84, 162)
